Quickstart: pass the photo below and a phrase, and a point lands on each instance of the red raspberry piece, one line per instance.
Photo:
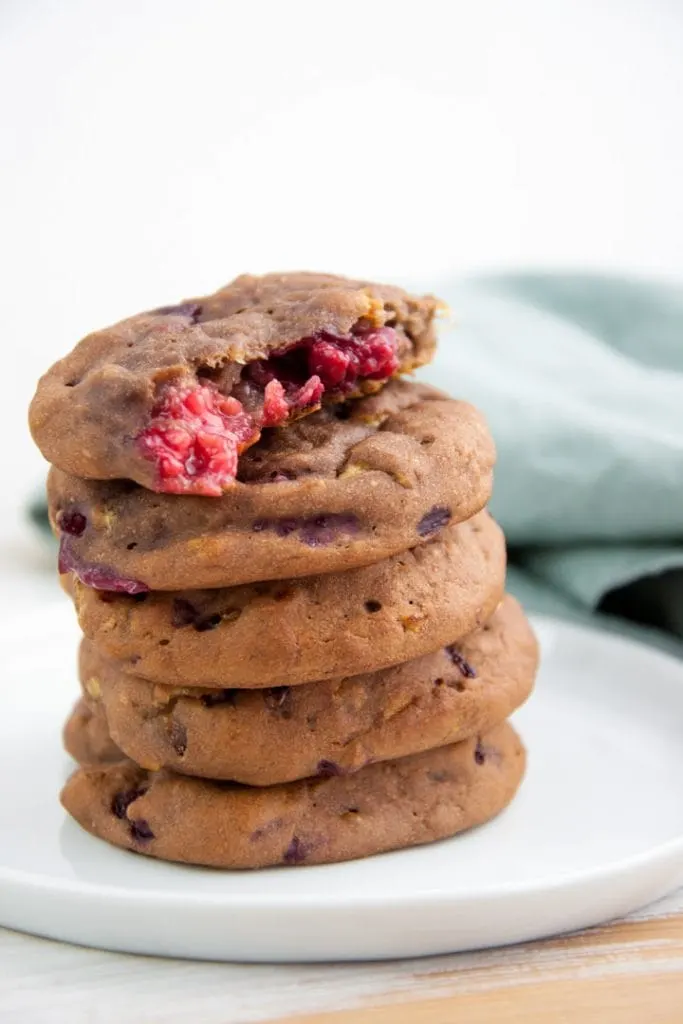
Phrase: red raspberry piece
(275, 405)
(278, 404)
(331, 362)
(196, 434)
(195, 437)
(309, 394)
(377, 356)
(342, 362)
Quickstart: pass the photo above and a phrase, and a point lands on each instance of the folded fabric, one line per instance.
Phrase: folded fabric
(581, 378)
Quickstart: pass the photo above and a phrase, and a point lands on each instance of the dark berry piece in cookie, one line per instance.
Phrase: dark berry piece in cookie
(433, 521)
(184, 613)
(212, 700)
(140, 831)
(313, 531)
(73, 522)
(99, 577)
(458, 660)
(122, 801)
(177, 737)
(296, 852)
(324, 529)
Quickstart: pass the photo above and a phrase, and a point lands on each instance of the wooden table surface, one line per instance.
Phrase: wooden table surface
(629, 972)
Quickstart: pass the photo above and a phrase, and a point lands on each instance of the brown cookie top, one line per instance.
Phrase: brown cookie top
(170, 398)
(317, 627)
(324, 495)
(385, 806)
(264, 737)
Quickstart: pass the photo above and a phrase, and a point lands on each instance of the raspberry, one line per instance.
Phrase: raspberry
(72, 522)
(196, 434)
(275, 407)
(309, 394)
(341, 362)
(331, 362)
(278, 404)
(194, 437)
(377, 357)
(296, 376)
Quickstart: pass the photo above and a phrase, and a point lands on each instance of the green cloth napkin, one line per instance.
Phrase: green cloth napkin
(581, 378)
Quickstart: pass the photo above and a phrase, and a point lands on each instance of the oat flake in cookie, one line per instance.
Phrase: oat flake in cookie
(171, 398)
(347, 486)
(385, 806)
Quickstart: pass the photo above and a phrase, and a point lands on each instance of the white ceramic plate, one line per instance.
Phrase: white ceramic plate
(596, 831)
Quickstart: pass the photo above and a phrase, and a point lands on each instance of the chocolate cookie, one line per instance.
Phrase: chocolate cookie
(324, 495)
(317, 627)
(170, 398)
(86, 736)
(385, 806)
(263, 737)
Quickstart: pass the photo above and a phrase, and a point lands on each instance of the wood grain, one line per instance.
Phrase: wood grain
(630, 972)
(627, 972)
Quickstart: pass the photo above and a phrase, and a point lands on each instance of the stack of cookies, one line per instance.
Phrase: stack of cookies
(297, 644)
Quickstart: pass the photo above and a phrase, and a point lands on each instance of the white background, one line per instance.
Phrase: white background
(154, 148)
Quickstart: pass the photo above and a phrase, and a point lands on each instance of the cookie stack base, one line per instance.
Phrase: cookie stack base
(385, 806)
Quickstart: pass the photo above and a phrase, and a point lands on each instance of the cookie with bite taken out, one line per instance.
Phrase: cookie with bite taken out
(172, 397)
